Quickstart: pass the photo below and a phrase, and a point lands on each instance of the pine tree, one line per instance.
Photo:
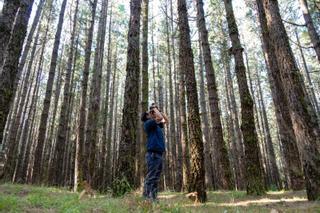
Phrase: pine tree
(8, 75)
(253, 167)
(128, 137)
(197, 173)
(37, 168)
(302, 114)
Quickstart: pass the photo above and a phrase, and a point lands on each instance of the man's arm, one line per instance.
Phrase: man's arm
(158, 115)
(165, 118)
(149, 125)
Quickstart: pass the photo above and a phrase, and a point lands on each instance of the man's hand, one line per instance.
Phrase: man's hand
(157, 115)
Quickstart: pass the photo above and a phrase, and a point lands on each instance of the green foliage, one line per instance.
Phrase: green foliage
(9, 203)
(120, 187)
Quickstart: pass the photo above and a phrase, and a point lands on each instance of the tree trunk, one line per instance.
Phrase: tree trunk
(82, 165)
(7, 17)
(308, 78)
(37, 169)
(206, 131)
(107, 173)
(253, 168)
(94, 103)
(224, 179)
(172, 137)
(287, 137)
(145, 84)
(197, 175)
(34, 25)
(9, 74)
(63, 120)
(128, 138)
(301, 111)
(234, 114)
(315, 40)
(270, 149)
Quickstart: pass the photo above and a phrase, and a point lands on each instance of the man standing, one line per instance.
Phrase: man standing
(153, 124)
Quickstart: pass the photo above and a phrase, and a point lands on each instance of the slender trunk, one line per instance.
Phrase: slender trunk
(172, 124)
(37, 169)
(224, 181)
(27, 46)
(7, 18)
(234, 112)
(197, 172)
(63, 120)
(82, 165)
(91, 141)
(108, 168)
(253, 168)
(309, 81)
(205, 126)
(145, 84)
(314, 36)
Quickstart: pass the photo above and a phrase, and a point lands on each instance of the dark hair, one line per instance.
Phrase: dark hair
(144, 116)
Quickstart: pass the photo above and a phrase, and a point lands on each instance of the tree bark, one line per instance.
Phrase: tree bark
(301, 111)
(197, 175)
(94, 99)
(145, 84)
(224, 181)
(9, 74)
(287, 137)
(270, 149)
(128, 138)
(308, 78)
(37, 170)
(253, 168)
(63, 120)
(9, 11)
(314, 36)
(204, 120)
(82, 165)
(171, 133)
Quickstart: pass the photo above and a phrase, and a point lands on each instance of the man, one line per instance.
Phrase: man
(153, 124)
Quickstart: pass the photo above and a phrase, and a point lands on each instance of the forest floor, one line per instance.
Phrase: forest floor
(26, 198)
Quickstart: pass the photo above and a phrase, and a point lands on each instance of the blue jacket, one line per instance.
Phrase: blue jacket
(155, 137)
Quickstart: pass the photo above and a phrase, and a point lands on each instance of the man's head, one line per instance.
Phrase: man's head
(145, 116)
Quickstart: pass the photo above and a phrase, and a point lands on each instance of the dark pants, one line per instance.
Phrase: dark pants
(154, 165)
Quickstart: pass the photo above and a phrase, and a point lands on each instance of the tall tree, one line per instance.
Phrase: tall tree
(314, 36)
(95, 93)
(63, 121)
(105, 139)
(8, 74)
(82, 165)
(308, 77)
(275, 176)
(253, 168)
(287, 137)
(224, 180)
(128, 138)
(186, 63)
(37, 168)
(145, 78)
(301, 111)
(205, 125)
(171, 130)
